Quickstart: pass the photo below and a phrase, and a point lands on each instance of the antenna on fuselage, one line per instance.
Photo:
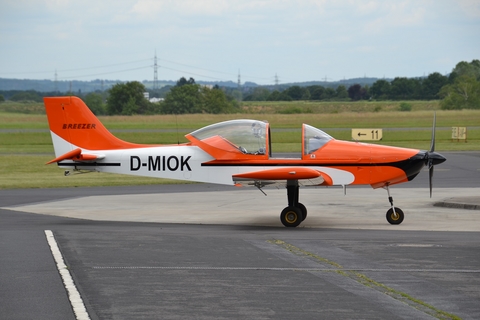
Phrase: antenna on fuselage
(176, 125)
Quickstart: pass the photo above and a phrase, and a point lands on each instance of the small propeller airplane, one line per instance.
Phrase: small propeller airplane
(235, 152)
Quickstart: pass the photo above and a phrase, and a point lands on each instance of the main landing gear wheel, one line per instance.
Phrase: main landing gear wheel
(303, 209)
(291, 216)
(395, 217)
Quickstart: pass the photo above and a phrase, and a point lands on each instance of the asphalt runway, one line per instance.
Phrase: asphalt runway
(346, 262)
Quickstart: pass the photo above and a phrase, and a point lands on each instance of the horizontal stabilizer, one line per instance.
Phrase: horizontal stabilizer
(77, 155)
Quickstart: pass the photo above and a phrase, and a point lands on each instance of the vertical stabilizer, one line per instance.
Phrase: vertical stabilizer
(73, 125)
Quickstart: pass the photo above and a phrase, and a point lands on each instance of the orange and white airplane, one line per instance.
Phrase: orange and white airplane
(236, 152)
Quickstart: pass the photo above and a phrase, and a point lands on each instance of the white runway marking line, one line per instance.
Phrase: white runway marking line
(73, 294)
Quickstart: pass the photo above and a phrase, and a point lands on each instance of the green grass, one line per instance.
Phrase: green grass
(28, 107)
(25, 143)
(332, 107)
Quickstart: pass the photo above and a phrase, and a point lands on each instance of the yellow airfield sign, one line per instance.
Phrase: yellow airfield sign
(367, 134)
(459, 133)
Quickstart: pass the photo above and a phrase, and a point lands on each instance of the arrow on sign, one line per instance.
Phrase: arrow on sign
(361, 134)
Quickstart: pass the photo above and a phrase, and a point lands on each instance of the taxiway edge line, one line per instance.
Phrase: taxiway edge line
(73, 295)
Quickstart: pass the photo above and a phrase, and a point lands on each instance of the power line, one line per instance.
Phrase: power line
(104, 73)
(155, 66)
(79, 69)
(210, 70)
(190, 66)
(192, 73)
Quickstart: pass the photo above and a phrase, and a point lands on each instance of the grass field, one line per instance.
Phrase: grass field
(25, 143)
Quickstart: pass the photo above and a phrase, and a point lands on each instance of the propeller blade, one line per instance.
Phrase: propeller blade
(432, 155)
(430, 177)
(432, 144)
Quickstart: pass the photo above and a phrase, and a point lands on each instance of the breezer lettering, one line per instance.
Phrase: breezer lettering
(161, 163)
(79, 126)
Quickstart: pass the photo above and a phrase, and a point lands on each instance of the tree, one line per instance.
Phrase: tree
(127, 98)
(330, 93)
(305, 94)
(2, 98)
(432, 84)
(279, 96)
(464, 68)
(215, 101)
(294, 92)
(356, 92)
(183, 99)
(95, 103)
(193, 98)
(464, 93)
(182, 81)
(380, 90)
(274, 96)
(26, 96)
(258, 94)
(341, 92)
(316, 92)
(404, 88)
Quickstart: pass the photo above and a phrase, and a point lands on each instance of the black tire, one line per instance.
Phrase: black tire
(393, 218)
(291, 217)
(303, 209)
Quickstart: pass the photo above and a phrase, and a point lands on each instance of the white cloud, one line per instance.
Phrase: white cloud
(470, 7)
(396, 15)
(295, 38)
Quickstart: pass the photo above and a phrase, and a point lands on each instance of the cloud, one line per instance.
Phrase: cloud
(471, 8)
(390, 15)
(295, 38)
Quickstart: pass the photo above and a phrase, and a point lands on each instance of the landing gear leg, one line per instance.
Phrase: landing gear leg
(394, 215)
(296, 212)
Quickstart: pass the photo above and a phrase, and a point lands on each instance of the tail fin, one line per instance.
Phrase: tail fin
(73, 126)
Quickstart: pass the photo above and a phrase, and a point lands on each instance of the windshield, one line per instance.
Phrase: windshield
(248, 136)
(313, 139)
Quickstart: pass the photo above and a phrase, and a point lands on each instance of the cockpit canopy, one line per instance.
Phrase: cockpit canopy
(249, 139)
(241, 137)
(313, 139)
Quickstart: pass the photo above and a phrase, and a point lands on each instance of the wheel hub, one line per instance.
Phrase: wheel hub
(291, 217)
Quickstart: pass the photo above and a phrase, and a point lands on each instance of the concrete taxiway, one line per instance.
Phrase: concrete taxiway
(360, 208)
(209, 252)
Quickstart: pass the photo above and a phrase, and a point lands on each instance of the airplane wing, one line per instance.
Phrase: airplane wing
(77, 155)
(279, 176)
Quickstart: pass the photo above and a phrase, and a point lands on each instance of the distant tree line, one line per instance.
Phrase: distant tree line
(295, 93)
(461, 89)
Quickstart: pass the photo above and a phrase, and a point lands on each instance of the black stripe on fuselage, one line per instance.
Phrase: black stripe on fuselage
(89, 164)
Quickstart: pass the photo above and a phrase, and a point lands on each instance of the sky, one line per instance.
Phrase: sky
(263, 41)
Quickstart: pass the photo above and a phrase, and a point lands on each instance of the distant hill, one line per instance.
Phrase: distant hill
(103, 85)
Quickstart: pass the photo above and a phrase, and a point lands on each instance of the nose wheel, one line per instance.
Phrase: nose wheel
(395, 216)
